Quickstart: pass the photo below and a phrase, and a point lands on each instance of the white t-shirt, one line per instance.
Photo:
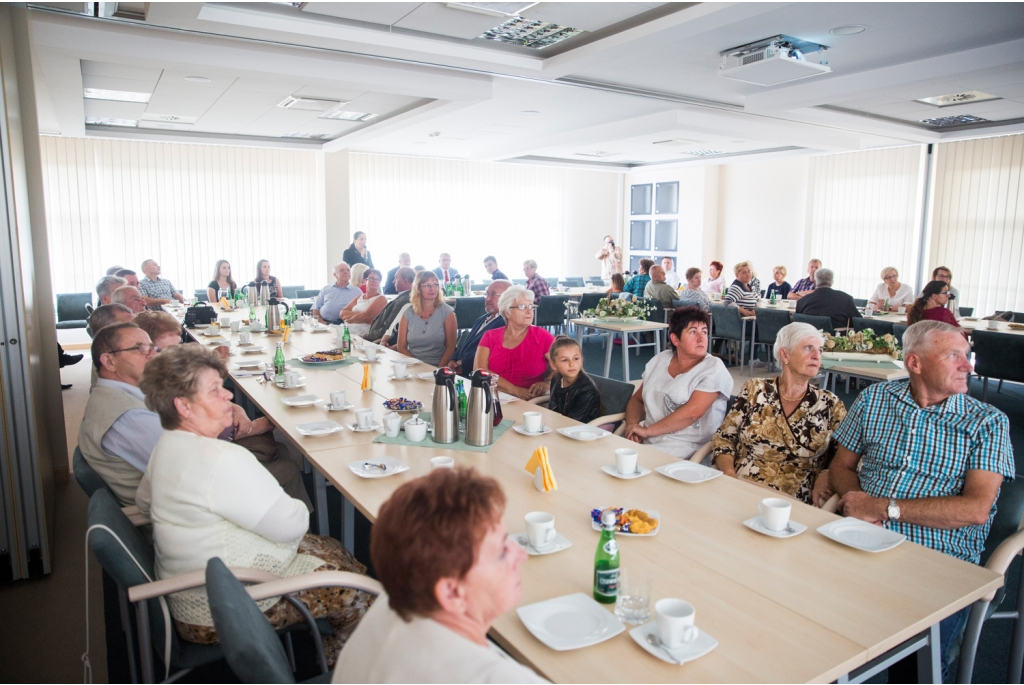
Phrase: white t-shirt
(713, 285)
(386, 649)
(664, 394)
(672, 278)
(904, 296)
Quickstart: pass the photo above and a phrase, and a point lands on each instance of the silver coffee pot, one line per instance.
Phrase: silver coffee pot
(264, 293)
(480, 410)
(252, 295)
(275, 313)
(444, 408)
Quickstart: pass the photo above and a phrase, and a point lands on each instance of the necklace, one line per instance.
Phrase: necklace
(788, 399)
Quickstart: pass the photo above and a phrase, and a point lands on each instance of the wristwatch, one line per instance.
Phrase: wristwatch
(893, 510)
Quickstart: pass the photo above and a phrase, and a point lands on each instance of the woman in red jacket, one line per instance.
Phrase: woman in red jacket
(932, 305)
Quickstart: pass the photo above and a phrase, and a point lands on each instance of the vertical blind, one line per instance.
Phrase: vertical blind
(864, 214)
(468, 209)
(113, 202)
(978, 221)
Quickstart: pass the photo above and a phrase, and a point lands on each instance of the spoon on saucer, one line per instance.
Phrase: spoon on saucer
(655, 641)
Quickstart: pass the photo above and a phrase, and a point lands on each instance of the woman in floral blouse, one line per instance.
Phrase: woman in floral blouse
(778, 432)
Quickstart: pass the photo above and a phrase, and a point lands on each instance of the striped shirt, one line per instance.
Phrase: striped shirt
(803, 285)
(909, 452)
(160, 289)
(693, 298)
(740, 296)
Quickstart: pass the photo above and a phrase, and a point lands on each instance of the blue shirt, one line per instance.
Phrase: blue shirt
(637, 285)
(332, 299)
(910, 452)
(465, 353)
(134, 434)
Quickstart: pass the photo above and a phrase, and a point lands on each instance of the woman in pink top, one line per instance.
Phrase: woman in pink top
(518, 351)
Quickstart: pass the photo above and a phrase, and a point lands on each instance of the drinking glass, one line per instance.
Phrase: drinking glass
(633, 604)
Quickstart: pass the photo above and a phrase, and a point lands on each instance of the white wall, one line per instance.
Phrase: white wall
(592, 201)
(762, 210)
(693, 210)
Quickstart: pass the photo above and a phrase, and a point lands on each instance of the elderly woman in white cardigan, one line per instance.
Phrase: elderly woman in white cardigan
(210, 498)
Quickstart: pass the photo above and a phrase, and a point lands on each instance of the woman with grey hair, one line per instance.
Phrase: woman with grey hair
(778, 432)
(211, 498)
(517, 351)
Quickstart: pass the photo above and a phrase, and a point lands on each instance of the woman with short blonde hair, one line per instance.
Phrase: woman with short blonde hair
(359, 275)
(427, 328)
(780, 286)
(740, 294)
(891, 292)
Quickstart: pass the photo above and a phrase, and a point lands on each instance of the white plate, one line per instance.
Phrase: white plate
(757, 524)
(356, 429)
(369, 361)
(402, 358)
(318, 329)
(557, 545)
(248, 344)
(300, 384)
(861, 535)
(688, 472)
(202, 325)
(680, 655)
(612, 471)
(391, 467)
(301, 400)
(319, 428)
(254, 364)
(584, 433)
(650, 512)
(544, 430)
(348, 405)
(253, 350)
(570, 622)
(426, 376)
(406, 377)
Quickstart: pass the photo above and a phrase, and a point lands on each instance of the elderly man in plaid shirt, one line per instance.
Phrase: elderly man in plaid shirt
(931, 458)
(156, 290)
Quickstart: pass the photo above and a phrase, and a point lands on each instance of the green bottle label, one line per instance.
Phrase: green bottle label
(606, 582)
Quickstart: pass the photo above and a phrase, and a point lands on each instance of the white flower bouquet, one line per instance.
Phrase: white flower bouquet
(619, 309)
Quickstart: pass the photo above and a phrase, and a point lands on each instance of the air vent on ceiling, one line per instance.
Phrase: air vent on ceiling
(115, 95)
(108, 121)
(347, 116)
(529, 33)
(958, 98)
(596, 153)
(307, 136)
(309, 104)
(674, 141)
(773, 60)
(958, 120)
(702, 153)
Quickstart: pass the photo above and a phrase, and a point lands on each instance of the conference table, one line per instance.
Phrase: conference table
(803, 609)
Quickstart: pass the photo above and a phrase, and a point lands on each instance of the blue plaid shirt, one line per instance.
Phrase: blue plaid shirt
(908, 452)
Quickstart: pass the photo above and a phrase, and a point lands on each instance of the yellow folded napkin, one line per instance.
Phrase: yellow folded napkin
(367, 378)
(287, 330)
(224, 303)
(539, 460)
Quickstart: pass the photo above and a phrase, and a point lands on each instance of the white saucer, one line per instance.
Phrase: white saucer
(300, 384)
(368, 361)
(248, 344)
(570, 622)
(348, 405)
(406, 377)
(557, 545)
(390, 464)
(301, 400)
(356, 429)
(688, 472)
(703, 644)
(584, 433)
(861, 535)
(319, 428)
(612, 471)
(255, 364)
(253, 350)
(426, 376)
(757, 524)
(544, 430)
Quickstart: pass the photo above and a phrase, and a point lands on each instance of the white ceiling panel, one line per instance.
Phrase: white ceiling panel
(114, 110)
(114, 70)
(234, 97)
(189, 107)
(280, 116)
(394, 101)
(437, 18)
(386, 13)
(329, 93)
(589, 16)
(1015, 90)
(170, 88)
(281, 86)
(109, 83)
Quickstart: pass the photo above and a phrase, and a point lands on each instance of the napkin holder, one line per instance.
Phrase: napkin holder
(538, 480)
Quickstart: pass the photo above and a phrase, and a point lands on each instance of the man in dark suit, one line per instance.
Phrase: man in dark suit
(462, 360)
(389, 282)
(382, 322)
(445, 274)
(824, 301)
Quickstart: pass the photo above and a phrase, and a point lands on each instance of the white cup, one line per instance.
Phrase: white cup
(532, 421)
(364, 418)
(439, 462)
(214, 328)
(370, 352)
(298, 325)
(236, 325)
(992, 324)
(625, 460)
(256, 325)
(416, 430)
(245, 337)
(337, 399)
(675, 619)
(291, 379)
(540, 529)
(901, 310)
(774, 512)
(225, 321)
(392, 424)
(224, 343)
(400, 369)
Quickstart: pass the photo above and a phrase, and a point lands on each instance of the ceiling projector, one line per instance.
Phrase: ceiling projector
(773, 60)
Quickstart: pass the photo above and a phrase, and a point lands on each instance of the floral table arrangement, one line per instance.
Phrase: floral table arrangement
(864, 345)
(618, 310)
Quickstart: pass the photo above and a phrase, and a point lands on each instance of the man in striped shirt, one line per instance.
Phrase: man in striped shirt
(931, 458)
(805, 285)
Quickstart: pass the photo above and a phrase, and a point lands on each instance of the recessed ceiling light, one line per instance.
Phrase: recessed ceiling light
(954, 120)
(958, 98)
(674, 141)
(107, 121)
(308, 104)
(702, 153)
(529, 112)
(347, 116)
(851, 30)
(117, 95)
(529, 33)
(308, 136)
(197, 79)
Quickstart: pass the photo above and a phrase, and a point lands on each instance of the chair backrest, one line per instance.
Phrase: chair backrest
(89, 310)
(769, 323)
(290, 291)
(726, 322)
(251, 647)
(622, 296)
(998, 355)
(589, 301)
(822, 323)
(71, 306)
(898, 329)
(306, 293)
(966, 311)
(468, 310)
(656, 310)
(878, 326)
(1009, 513)
(595, 280)
(124, 554)
(551, 311)
(552, 282)
(572, 282)
(202, 295)
(519, 281)
(614, 394)
(86, 476)
(859, 302)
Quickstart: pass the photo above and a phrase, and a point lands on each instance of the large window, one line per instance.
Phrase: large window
(654, 233)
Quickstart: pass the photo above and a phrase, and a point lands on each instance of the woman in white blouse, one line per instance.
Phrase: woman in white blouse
(362, 310)
(684, 393)
(210, 498)
(891, 291)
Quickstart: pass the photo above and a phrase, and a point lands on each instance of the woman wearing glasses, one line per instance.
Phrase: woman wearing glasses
(427, 329)
(517, 352)
(361, 311)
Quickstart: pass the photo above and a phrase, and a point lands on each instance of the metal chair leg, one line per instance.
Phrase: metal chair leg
(1013, 670)
(984, 389)
(969, 646)
(1000, 388)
